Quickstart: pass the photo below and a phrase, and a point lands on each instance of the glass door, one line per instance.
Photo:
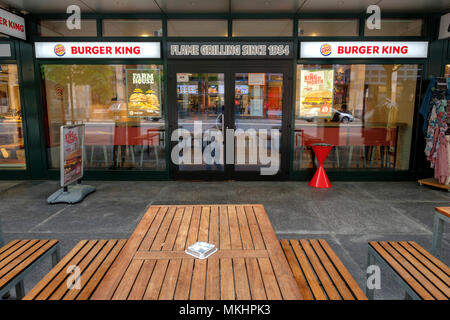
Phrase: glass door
(229, 120)
(258, 114)
(200, 122)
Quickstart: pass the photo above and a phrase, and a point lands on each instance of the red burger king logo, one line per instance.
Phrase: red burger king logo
(325, 49)
(60, 50)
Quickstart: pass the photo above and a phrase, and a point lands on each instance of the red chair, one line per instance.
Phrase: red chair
(385, 139)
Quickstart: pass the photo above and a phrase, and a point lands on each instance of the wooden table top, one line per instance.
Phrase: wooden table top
(249, 264)
(443, 210)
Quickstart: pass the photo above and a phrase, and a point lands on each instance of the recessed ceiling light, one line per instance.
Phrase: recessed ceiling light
(192, 3)
(266, 3)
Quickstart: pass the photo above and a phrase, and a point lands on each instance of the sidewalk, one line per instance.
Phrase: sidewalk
(347, 215)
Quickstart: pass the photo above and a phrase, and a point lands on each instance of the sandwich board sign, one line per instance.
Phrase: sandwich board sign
(71, 152)
(71, 157)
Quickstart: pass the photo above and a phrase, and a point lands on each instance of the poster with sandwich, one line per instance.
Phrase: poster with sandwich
(72, 140)
(143, 93)
(316, 93)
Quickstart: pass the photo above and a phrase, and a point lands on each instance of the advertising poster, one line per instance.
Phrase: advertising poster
(143, 93)
(72, 140)
(316, 93)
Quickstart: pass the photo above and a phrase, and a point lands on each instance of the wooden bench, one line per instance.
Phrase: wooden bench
(441, 215)
(422, 275)
(92, 257)
(19, 257)
(319, 273)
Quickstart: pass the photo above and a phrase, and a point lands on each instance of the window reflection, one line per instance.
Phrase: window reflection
(370, 123)
(12, 150)
(96, 95)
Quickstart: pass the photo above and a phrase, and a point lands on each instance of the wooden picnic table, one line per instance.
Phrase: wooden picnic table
(249, 264)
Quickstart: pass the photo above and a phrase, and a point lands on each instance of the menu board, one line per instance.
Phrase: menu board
(316, 93)
(143, 93)
(72, 140)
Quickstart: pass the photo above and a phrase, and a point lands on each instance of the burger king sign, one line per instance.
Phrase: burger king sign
(325, 49)
(59, 50)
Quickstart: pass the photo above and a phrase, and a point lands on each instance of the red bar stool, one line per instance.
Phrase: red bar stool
(320, 179)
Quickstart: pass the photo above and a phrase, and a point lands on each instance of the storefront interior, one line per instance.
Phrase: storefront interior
(366, 108)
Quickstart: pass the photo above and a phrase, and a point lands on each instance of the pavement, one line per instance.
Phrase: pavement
(348, 215)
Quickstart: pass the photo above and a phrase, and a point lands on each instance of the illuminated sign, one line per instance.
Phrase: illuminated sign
(363, 49)
(12, 25)
(253, 50)
(316, 93)
(58, 50)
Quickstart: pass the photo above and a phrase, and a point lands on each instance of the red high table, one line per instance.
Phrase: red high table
(320, 179)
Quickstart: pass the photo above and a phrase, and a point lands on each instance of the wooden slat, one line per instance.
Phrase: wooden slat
(224, 229)
(141, 283)
(7, 246)
(128, 280)
(401, 271)
(103, 267)
(235, 235)
(180, 242)
(61, 276)
(443, 210)
(12, 256)
(184, 279)
(438, 263)
(198, 280)
(324, 279)
(227, 290)
(241, 279)
(255, 280)
(220, 254)
(425, 261)
(83, 264)
(170, 280)
(86, 275)
(55, 271)
(286, 280)
(308, 271)
(37, 252)
(269, 280)
(296, 270)
(108, 285)
(247, 242)
(161, 235)
(154, 285)
(422, 268)
(258, 241)
(412, 269)
(212, 291)
(193, 228)
(152, 231)
(173, 230)
(353, 285)
(339, 283)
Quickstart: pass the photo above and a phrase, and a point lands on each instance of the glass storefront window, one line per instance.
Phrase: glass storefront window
(447, 71)
(197, 28)
(327, 28)
(364, 110)
(58, 28)
(262, 27)
(12, 150)
(396, 28)
(123, 117)
(132, 28)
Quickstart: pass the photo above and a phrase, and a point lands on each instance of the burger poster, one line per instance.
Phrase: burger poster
(316, 93)
(72, 139)
(143, 93)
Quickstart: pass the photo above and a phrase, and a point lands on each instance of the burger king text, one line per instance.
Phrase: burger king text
(372, 49)
(106, 50)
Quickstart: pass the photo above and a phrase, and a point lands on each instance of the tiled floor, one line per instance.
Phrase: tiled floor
(347, 215)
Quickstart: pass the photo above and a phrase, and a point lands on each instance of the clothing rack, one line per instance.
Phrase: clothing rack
(435, 109)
